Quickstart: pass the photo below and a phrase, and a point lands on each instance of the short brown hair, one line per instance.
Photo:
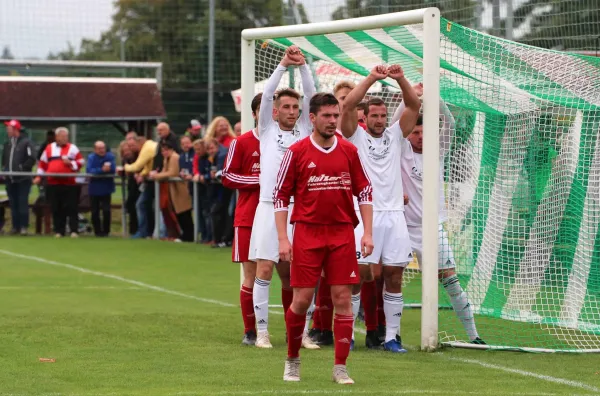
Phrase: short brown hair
(374, 102)
(362, 106)
(256, 102)
(343, 84)
(289, 92)
(322, 99)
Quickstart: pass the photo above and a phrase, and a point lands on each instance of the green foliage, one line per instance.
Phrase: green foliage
(461, 11)
(563, 25)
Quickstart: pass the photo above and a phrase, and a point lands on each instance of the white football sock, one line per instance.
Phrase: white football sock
(461, 305)
(309, 313)
(260, 299)
(355, 309)
(392, 307)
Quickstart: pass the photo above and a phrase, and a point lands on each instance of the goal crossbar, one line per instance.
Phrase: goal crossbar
(430, 19)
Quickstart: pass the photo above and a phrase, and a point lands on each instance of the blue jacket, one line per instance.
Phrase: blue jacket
(104, 186)
(186, 161)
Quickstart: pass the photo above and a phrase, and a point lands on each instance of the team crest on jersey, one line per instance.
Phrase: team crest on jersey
(284, 143)
(379, 152)
(346, 180)
(416, 173)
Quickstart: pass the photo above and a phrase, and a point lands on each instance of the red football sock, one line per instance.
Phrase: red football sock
(368, 297)
(325, 305)
(247, 309)
(286, 299)
(342, 334)
(294, 324)
(380, 311)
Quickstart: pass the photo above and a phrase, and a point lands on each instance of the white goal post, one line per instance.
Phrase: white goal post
(430, 18)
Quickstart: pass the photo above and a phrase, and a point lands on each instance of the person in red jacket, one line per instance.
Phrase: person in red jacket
(61, 157)
(322, 172)
(241, 171)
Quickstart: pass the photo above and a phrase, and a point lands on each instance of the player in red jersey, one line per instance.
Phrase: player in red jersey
(241, 172)
(322, 172)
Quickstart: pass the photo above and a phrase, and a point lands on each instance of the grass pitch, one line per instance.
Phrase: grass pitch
(127, 317)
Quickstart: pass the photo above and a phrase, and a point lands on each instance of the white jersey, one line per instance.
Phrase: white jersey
(381, 158)
(412, 180)
(273, 141)
(412, 172)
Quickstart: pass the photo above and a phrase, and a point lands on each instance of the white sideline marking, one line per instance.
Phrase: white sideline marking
(69, 288)
(116, 277)
(547, 378)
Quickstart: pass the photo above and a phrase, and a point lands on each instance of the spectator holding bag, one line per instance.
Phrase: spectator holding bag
(178, 200)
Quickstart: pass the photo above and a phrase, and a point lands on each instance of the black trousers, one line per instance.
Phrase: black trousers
(133, 193)
(187, 226)
(101, 208)
(64, 202)
(220, 217)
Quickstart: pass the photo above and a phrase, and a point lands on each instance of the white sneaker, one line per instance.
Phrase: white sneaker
(308, 343)
(291, 373)
(340, 375)
(74, 235)
(57, 236)
(262, 340)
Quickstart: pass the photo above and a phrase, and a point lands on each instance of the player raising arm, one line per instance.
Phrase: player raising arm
(412, 180)
(279, 126)
(241, 172)
(323, 172)
(380, 149)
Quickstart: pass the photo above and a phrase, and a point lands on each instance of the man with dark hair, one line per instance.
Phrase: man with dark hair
(241, 172)
(322, 172)
(380, 148)
(18, 156)
(412, 181)
(279, 126)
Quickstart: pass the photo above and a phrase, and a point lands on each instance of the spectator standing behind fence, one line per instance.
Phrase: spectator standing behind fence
(201, 167)
(61, 157)
(219, 195)
(194, 130)
(18, 156)
(237, 129)
(102, 163)
(186, 160)
(133, 187)
(142, 167)
(179, 201)
(221, 130)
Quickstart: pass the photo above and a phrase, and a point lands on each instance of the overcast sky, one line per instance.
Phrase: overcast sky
(33, 28)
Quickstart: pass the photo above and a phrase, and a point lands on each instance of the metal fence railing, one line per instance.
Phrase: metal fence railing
(83, 178)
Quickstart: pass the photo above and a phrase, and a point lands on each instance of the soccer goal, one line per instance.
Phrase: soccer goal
(521, 177)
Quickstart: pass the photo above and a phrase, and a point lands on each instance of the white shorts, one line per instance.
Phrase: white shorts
(391, 243)
(264, 243)
(445, 255)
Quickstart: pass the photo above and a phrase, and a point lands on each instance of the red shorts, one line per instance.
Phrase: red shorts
(327, 248)
(241, 244)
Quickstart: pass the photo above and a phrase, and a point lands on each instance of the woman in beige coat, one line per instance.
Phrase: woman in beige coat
(176, 197)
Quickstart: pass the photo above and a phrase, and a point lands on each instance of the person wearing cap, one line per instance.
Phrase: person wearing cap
(194, 131)
(18, 156)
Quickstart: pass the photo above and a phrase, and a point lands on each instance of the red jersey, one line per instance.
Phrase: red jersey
(322, 182)
(241, 171)
(51, 161)
(227, 140)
